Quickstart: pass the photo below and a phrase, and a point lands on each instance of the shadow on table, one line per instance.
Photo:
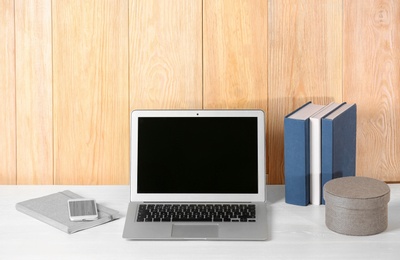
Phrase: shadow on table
(275, 193)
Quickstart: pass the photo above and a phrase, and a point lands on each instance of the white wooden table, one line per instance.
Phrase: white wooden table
(295, 233)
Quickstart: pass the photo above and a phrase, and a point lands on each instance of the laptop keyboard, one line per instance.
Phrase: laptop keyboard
(196, 212)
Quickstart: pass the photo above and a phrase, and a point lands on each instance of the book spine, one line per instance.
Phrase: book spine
(326, 153)
(315, 161)
(339, 146)
(297, 161)
(344, 144)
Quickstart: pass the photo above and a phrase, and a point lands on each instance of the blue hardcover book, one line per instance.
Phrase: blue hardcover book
(338, 144)
(297, 154)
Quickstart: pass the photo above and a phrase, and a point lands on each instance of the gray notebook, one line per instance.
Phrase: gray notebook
(53, 210)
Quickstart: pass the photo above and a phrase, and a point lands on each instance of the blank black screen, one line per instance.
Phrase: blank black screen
(197, 155)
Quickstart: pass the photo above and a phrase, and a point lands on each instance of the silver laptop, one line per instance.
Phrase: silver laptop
(197, 174)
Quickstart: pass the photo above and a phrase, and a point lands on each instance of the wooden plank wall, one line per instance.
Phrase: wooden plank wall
(71, 72)
(34, 113)
(234, 54)
(165, 54)
(304, 63)
(91, 95)
(8, 157)
(371, 79)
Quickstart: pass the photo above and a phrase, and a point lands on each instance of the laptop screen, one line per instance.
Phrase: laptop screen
(202, 155)
(197, 155)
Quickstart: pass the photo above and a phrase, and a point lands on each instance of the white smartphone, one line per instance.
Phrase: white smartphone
(82, 209)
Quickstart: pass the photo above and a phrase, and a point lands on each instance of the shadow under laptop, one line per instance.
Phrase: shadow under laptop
(275, 193)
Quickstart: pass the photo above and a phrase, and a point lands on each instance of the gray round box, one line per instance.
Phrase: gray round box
(356, 206)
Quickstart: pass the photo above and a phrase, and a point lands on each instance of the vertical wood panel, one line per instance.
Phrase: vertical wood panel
(372, 80)
(165, 54)
(304, 63)
(34, 92)
(235, 54)
(91, 110)
(7, 94)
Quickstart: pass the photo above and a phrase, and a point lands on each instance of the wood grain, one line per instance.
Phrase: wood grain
(304, 64)
(371, 79)
(71, 71)
(165, 54)
(34, 92)
(235, 54)
(91, 97)
(8, 174)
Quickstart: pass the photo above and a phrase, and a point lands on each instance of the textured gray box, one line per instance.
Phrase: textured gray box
(356, 206)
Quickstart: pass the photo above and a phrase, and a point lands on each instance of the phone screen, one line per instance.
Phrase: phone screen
(82, 209)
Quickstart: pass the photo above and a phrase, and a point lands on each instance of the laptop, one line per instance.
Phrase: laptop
(197, 175)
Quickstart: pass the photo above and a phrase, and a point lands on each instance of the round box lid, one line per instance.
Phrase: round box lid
(356, 193)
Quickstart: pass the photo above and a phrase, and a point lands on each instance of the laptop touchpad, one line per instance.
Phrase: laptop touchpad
(194, 231)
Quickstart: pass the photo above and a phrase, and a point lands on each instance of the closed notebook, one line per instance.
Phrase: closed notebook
(338, 144)
(297, 154)
(53, 210)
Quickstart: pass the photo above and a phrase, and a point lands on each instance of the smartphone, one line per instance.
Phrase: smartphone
(82, 209)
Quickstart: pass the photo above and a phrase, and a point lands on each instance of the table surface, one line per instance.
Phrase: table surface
(295, 232)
